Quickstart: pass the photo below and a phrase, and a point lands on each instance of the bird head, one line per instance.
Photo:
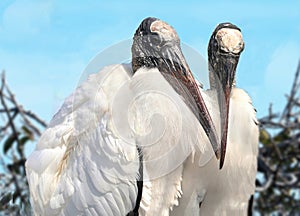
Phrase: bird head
(224, 49)
(156, 44)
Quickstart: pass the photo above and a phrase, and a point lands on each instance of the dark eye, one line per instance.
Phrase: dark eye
(155, 39)
(222, 50)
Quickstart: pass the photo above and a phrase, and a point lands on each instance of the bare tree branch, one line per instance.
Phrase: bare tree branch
(10, 120)
(278, 182)
(19, 127)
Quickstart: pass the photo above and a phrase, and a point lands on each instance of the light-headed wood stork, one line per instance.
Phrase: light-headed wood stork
(206, 187)
(97, 149)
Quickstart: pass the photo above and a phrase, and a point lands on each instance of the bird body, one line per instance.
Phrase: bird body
(210, 191)
(118, 142)
(87, 162)
(79, 164)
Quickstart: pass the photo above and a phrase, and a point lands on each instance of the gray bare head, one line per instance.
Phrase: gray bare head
(156, 44)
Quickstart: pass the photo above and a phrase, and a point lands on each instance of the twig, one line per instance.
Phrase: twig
(10, 120)
(21, 110)
(5, 127)
(287, 111)
(36, 118)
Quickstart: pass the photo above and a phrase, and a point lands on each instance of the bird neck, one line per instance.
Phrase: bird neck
(213, 78)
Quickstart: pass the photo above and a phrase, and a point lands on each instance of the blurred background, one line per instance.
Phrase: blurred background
(46, 45)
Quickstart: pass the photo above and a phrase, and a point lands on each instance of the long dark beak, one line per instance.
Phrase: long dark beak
(204, 116)
(187, 87)
(226, 68)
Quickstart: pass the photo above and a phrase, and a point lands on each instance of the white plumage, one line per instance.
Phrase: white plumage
(175, 134)
(79, 164)
(84, 164)
(87, 162)
(226, 191)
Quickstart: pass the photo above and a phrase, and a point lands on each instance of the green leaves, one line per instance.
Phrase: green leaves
(9, 142)
(27, 132)
(282, 136)
(21, 138)
(264, 137)
(5, 199)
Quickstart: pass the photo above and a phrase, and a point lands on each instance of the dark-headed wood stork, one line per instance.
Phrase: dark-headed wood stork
(102, 139)
(207, 189)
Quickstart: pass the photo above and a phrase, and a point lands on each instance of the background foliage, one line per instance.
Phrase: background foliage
(18, 128)
(278, 181)
(278, 185)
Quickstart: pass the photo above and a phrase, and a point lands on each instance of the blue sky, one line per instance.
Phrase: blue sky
(46, 45)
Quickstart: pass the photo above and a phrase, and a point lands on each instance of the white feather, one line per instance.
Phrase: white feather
(226, 191)
(80, 166)
(167, 132)
(86, 162)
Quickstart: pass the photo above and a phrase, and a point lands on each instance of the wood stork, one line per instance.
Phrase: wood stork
(205, 187)
(92, 158)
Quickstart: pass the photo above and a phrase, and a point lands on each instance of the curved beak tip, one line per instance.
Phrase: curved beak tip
(221, 163)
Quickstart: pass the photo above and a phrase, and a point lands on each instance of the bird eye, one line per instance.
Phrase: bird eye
(156, 40)
(223, 50)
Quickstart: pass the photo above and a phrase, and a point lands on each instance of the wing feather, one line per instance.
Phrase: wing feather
(81, 165)
(168, 132)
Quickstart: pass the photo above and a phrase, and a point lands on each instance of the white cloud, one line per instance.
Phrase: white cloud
(25, 16)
